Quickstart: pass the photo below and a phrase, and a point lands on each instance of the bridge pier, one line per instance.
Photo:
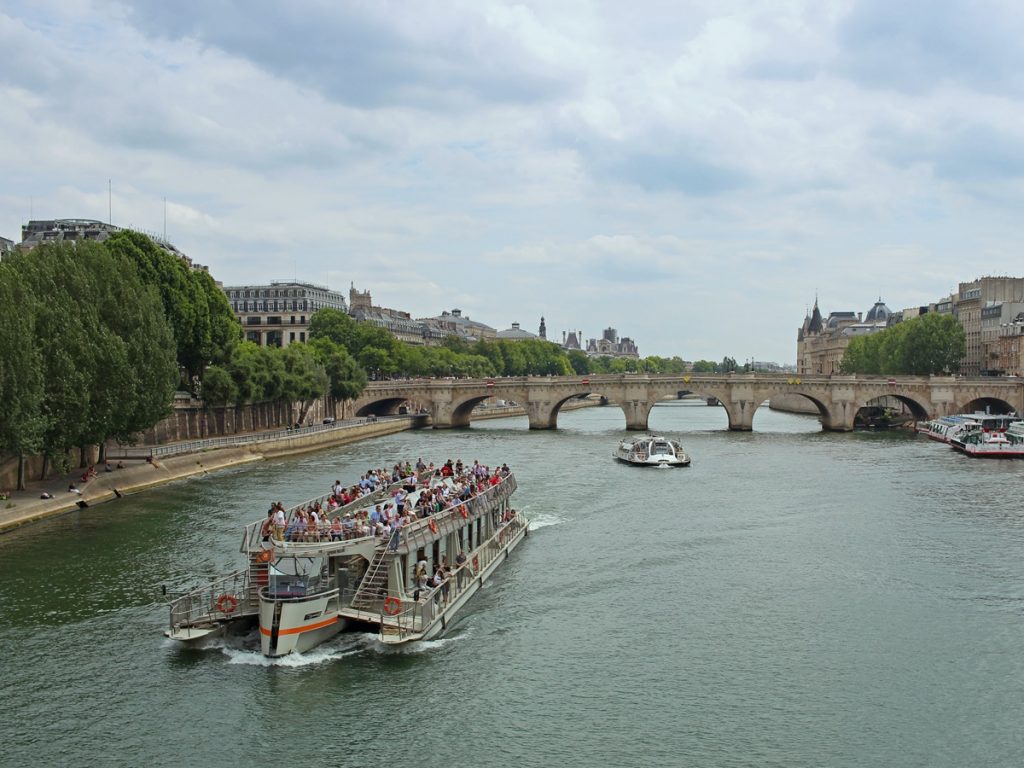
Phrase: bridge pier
(444, 416)
(541, 414)
(839, 417)
(637, 413)
(740, 412)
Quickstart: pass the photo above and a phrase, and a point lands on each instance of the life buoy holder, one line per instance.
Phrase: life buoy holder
(227, 603)
(464, 512)
(433, 525)
(392, 606)
(264, 556)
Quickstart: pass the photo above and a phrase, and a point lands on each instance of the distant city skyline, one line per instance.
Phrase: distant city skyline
(689, 175)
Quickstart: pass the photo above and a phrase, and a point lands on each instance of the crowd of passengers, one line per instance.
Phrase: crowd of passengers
(330, 520)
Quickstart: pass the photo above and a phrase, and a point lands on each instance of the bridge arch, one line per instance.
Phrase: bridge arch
(825, 416)
(918, 410)
(724, 401)
(385, 406)
(993, 405)
(462, 411)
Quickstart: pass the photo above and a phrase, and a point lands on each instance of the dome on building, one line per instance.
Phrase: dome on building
(515, 333)
(878, 313)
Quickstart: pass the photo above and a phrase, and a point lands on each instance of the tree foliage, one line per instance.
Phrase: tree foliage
(204, 327)
(926, 345)
(96, 337)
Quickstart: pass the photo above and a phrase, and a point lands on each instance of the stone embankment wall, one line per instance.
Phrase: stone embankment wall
(190, 420)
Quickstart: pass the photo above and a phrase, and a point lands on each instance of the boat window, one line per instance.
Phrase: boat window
(295, 576)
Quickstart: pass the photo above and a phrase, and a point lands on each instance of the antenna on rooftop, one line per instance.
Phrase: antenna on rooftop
(110, 205)
(165, 218)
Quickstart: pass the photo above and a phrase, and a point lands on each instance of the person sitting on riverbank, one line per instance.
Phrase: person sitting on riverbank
(72, 488)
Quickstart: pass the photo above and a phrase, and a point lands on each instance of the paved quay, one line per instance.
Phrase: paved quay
(23, 507)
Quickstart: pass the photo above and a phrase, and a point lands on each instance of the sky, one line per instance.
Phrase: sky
(692, 174)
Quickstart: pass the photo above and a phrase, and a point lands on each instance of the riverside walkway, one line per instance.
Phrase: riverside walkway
(155, 465)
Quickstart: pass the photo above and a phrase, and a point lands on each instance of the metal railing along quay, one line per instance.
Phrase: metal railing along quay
(232, 441)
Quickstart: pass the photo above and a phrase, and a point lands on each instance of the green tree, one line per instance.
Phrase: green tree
(705, 366)
(305, 378)
(335, 325)
(219, 387)
(579, 361)
(225, 330)
(926, 345)
(21, 374)
(346, 377)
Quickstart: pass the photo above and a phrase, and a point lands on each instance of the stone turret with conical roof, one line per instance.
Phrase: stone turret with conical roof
(815, 324)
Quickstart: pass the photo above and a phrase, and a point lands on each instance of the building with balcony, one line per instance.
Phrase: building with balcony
(971, 300)
(278, 314)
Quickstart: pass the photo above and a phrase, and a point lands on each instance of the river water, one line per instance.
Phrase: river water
(794, 598)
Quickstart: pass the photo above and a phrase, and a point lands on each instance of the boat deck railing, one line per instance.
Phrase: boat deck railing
(415, 617)
(225, 598)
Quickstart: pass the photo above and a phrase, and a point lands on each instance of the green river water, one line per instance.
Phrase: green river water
(795, 598)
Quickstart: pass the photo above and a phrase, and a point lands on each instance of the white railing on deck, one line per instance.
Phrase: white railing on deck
(417, 619)
(207, 604)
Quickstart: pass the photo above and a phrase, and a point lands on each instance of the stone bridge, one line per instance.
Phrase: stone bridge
(450, 402)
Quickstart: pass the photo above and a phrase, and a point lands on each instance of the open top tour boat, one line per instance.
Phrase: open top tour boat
(303, 589)
(652, 451)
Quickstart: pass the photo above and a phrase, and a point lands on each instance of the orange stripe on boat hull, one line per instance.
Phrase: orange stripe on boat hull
(297, 630)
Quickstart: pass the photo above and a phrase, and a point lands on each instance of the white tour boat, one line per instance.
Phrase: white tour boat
(999, 444)
(301, 593)
(652, 451)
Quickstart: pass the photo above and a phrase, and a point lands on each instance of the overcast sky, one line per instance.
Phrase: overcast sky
(689, 173)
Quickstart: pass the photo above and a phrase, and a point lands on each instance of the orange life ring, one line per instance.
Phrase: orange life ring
(227, 603)
(392, 606)
(464, 511)
(433, 525)
(264, 556)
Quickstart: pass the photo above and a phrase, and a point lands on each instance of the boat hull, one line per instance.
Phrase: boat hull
(987, 452)
(662, 461)
(297, 625)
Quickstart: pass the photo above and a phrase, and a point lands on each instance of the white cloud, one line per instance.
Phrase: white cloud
(596, 163)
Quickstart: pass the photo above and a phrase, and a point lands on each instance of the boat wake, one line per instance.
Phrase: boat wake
(319, 655)
(422, 646)
(543, 520)
(347, 645)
